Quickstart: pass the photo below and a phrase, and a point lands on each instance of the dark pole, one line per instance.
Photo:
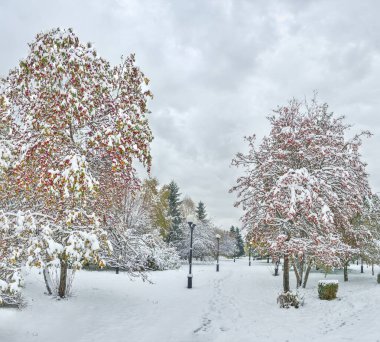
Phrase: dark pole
(361, 266)
(217, 253)
(190, 276)
(249, 254)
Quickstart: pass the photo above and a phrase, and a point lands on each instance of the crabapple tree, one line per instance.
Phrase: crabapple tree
(302, 187)
(78, 124)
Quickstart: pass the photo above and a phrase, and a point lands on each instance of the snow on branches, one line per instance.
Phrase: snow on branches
(29, 239)
(77, 125)
(304, 184)
(137, 246)
(72, 111)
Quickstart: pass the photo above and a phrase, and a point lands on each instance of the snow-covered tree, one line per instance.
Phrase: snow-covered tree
(365, 233)
(158, 205)
(235, 231)
(174, 213)
(228, 244)
(204, 240)
(137, 246)
(201, 212)
(78, 125)
(187, 207)
(303, 186)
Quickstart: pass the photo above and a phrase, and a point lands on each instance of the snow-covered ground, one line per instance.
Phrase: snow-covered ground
(236, 304)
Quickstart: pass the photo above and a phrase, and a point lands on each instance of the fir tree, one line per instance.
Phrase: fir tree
(175, 232)
(239, 241)
(201, 212)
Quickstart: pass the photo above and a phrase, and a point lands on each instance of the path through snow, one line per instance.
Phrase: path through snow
(236, 304)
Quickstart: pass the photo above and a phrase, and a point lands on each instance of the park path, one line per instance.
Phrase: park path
(236, 304)
(234, 292)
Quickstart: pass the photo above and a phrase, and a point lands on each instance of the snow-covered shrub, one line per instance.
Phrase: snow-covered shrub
(16, 232)
(288, 299)
(136, 252)
(164, 258)
(327, 289)
(10, 294)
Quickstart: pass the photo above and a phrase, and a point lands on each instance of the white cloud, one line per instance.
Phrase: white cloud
(217, 68)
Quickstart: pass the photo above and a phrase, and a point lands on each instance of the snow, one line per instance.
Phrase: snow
(327, 282)
(236, 304)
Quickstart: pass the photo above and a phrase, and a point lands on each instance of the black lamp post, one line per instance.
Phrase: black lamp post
(190, 276)
(250, 253)
(217, 252)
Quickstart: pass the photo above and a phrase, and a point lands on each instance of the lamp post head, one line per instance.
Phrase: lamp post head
(217, 236)
(190, 220)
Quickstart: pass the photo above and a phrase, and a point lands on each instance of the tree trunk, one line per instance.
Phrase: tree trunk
(276, 267)
(47, 281)
(299, 280)
(361, 267)
(307, 274)
(301, 269)
(345, 271)
(62, 279)
(373, 270)
(286, 273)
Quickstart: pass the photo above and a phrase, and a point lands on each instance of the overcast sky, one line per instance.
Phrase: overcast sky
(218, 68)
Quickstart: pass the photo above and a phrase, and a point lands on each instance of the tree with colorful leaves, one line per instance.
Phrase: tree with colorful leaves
(302, 187)
(78, 126)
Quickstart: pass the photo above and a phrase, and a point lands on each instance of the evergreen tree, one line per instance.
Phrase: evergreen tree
(239, 243)
(201, 212)
(175, 231)
(235, 232)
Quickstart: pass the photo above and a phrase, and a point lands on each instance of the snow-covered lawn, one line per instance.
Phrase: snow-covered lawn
(236, 304)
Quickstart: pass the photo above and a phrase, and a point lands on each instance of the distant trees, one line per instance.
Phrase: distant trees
(177, 234)
(304, 185)
(235, 232)
(228, 243)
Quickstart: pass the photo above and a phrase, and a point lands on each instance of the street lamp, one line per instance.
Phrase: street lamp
(190, 276)
(217, 252)
(250, 253)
